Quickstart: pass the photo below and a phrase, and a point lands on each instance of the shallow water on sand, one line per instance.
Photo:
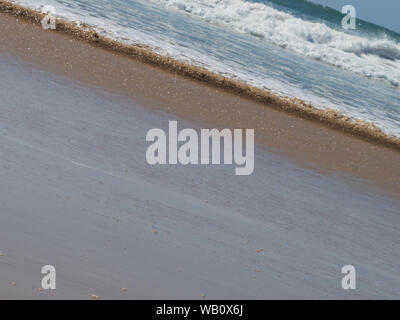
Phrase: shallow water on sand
(76, 192)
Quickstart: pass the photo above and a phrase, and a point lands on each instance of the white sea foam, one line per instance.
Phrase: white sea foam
(314, 40)
(318, 41)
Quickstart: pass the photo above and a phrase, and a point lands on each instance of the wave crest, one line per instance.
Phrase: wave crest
(357, 53)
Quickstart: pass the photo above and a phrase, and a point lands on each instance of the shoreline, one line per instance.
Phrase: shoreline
(328, 117)
(78, 194)
(309, 142)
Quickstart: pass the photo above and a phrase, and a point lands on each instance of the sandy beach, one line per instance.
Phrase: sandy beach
(77, 193)
(163, 90)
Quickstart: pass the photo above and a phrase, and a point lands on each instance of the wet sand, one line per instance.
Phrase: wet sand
(303, 139)
(77, 193)
(332, 118)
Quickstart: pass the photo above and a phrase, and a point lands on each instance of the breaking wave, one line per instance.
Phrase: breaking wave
(376, 58)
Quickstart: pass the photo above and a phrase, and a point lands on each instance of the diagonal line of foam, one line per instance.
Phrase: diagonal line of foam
(329, 117)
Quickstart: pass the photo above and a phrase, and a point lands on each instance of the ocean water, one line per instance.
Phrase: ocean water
(292, 48)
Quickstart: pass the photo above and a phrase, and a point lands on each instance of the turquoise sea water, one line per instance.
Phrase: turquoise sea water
(293, 48)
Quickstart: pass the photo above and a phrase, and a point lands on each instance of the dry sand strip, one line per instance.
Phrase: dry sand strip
(154, 87)
(332, 118)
